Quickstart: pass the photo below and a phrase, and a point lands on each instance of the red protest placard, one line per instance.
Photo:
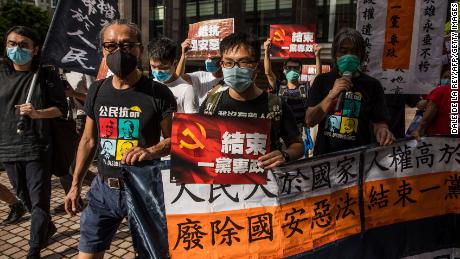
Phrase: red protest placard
(218, 150)
(292, 40)
(206, 37)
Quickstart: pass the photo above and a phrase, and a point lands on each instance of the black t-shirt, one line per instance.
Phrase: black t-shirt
(350, 127)
(36, 138)
(258, 108)
(127, 118)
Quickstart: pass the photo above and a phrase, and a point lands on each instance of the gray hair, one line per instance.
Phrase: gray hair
(355, 37)
(134, 29)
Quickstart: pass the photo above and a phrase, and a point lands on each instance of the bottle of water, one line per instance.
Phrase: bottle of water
(415, 122)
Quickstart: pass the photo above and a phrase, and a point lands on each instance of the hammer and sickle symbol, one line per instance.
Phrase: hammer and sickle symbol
(279, 35)
(197, 143)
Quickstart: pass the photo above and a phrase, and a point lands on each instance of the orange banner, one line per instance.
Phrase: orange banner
(398, 34)
(403, 199)
(266, 232)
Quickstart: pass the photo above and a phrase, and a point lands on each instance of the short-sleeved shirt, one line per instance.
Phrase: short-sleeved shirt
(258, 108)
(35, 141)
(127, 118)
(186, 99)
(441, 96)
(202, 83)
(351, 126)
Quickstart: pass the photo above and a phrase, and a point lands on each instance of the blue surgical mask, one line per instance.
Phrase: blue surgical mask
(239, 79)
(444, 81)
(161, 75)
(18, 55)
(210, 66)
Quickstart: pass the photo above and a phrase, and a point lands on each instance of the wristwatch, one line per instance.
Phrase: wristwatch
(286, 156)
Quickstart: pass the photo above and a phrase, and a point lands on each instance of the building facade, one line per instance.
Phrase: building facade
(48, 5)
(171, 17)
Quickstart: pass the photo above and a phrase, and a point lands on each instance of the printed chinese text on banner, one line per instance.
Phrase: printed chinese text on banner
(73, 38)
(292, 40)
(404, 43)
(384, 202)
(207, 35)
(218, 150)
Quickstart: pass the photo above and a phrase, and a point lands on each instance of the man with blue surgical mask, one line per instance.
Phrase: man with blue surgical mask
(202, 81)
(243, 99)
(349, 97)
(163, 63)
(26, 157)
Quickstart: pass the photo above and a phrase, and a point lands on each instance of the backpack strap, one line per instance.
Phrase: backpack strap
(303, 91)
(275, 112)
(213, 98)
(215, 88)
(282, 90)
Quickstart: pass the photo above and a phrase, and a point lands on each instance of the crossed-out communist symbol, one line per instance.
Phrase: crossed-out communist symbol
(197, 143)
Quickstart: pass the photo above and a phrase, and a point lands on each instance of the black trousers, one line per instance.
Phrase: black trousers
(32, 183)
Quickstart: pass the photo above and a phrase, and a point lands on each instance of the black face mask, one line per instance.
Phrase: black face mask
(121, 63)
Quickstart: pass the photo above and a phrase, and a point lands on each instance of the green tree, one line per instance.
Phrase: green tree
(14, 13)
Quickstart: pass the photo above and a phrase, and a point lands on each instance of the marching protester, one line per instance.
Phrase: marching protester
(348, 105)
(126, 113)
(240, 58)
(202, 81)
(26, 157)
(163, 62)
(436, 118)
(293, 92)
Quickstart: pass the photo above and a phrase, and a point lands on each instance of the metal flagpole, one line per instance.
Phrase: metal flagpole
(21, 123)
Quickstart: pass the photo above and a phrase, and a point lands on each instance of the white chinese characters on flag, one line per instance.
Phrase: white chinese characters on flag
(404, 41)
(71, 42)
(218, 150)
(292, 40)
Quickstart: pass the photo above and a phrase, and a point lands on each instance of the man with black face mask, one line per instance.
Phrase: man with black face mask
(127, 97)
(240, 59)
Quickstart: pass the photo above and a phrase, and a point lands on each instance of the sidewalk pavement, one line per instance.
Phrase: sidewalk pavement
(64, 244)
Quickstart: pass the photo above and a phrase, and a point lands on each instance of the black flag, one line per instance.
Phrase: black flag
(73, 39)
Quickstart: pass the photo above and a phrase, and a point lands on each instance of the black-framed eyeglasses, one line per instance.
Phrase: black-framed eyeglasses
(21, 45)
(126, 46)
(240, 64)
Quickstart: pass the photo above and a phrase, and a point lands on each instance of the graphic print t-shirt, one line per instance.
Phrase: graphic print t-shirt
(127, 118)
(351, 126)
